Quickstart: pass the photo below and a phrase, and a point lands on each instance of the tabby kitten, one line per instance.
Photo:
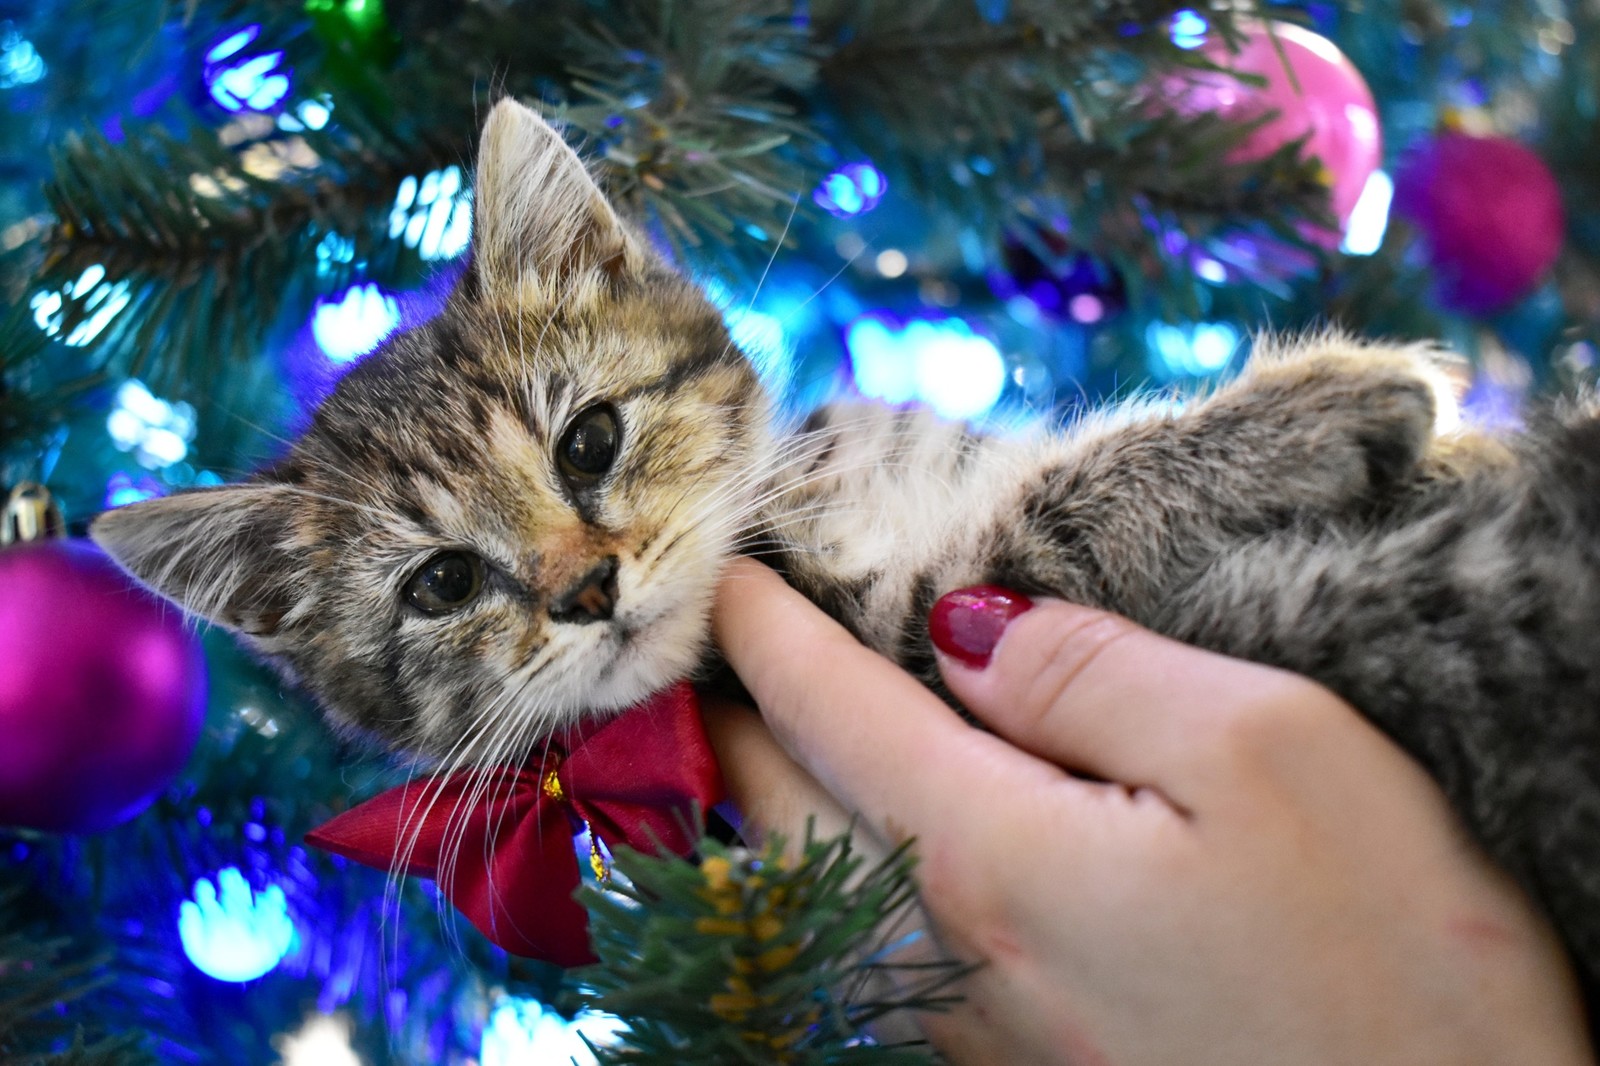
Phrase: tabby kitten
(514, 516)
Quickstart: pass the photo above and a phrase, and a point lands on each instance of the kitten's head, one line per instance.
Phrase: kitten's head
(505, 518)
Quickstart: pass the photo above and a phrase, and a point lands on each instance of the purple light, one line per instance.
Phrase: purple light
(853, 189)
(122, 490)
(1086, 308)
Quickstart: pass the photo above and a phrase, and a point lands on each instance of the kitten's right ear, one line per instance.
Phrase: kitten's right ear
(218, 553)
(538, 217)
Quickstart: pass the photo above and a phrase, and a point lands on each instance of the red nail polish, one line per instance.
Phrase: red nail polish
(967, 623)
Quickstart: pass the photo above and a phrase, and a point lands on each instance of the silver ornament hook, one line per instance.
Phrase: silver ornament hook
(31, 514)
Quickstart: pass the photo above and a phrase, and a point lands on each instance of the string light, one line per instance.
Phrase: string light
(355, 322)
(433, 215)
(853, 189)
(156, 431)
(122, 490)
(1189, 29)
(240, 81)
(307, 115)
(942, 362)
(521, 1031)
(231, 932)
(105, 299)
(20, 62)
(1196, 350)
(324, 1040)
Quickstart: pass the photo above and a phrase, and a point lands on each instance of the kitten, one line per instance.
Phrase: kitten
(514, 516)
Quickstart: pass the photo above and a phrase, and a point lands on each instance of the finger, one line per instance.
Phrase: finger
(865, 729)
(1095, 693)
(773, 794)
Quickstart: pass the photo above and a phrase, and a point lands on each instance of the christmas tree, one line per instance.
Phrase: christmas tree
(1003, 209)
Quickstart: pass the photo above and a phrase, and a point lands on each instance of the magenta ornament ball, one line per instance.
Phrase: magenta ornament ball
(1312, 90)
(102, 690)
(1490, 213)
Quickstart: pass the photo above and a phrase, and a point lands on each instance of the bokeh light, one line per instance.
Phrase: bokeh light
(156, 431)
(853, 189)
(433, 214)
(231, 932)
(1196, 350)
(521, 1032)
(239, 80)
(942, 362)
(355, 322)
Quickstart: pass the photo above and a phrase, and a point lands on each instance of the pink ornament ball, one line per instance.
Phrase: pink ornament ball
(1490, 213)
(102, 690)
(1313, 91)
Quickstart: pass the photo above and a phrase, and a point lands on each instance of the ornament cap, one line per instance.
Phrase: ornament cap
(31, 514)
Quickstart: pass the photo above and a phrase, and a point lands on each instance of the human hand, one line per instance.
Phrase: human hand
(1253, 875)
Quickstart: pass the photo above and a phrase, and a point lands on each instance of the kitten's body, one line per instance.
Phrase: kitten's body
(1302, 516)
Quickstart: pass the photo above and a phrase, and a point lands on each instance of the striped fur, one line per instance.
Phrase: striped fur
(1304, 515)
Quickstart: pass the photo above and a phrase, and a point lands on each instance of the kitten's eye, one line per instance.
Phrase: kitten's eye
(589, 446)
(446, 582)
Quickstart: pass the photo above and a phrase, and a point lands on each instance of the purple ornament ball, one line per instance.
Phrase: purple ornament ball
(1490, 212)
(102, 690)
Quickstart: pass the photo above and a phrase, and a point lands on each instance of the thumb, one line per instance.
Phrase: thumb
(771, 793)
(1091, 691)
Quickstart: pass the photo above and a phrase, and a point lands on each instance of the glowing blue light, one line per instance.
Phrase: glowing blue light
(1369, 219)
(232, 933)
(884, 367)
(122, 490)
(241, 82)
(1189, 28)
(521, 1031)
(157, 432)
(307, 115)
(232, 43)
(433, 215)
(104, 298)
(334, 249)
(1208, 269)
(353, 323)
(940, 361)
(853, 189)
(1191, 351)
(20, 62)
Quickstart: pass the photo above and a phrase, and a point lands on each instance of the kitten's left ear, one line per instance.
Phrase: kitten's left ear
(539, 217)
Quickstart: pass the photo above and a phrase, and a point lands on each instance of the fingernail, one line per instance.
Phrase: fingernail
(967, 623)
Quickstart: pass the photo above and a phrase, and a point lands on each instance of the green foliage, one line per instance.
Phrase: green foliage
(759, 958)
(709, 119)
(40, 976)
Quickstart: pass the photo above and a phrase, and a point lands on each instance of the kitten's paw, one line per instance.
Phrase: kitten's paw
(1361, 417)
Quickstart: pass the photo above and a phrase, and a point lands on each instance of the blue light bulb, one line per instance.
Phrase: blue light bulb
(232, 933)
(353, 323)
(853, 189)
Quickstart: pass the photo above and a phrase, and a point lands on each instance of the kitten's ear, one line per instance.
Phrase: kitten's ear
(538, 215)
(217, 553)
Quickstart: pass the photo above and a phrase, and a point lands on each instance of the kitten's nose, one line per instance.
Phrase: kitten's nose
(591, 598)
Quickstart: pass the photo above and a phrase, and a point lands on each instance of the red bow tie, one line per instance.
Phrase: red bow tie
(502, 850)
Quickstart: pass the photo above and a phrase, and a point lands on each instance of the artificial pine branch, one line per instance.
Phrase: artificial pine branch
(759, 958)
(711, 118)
(39, 978)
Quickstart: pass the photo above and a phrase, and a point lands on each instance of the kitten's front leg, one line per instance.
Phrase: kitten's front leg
(1122, 511)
